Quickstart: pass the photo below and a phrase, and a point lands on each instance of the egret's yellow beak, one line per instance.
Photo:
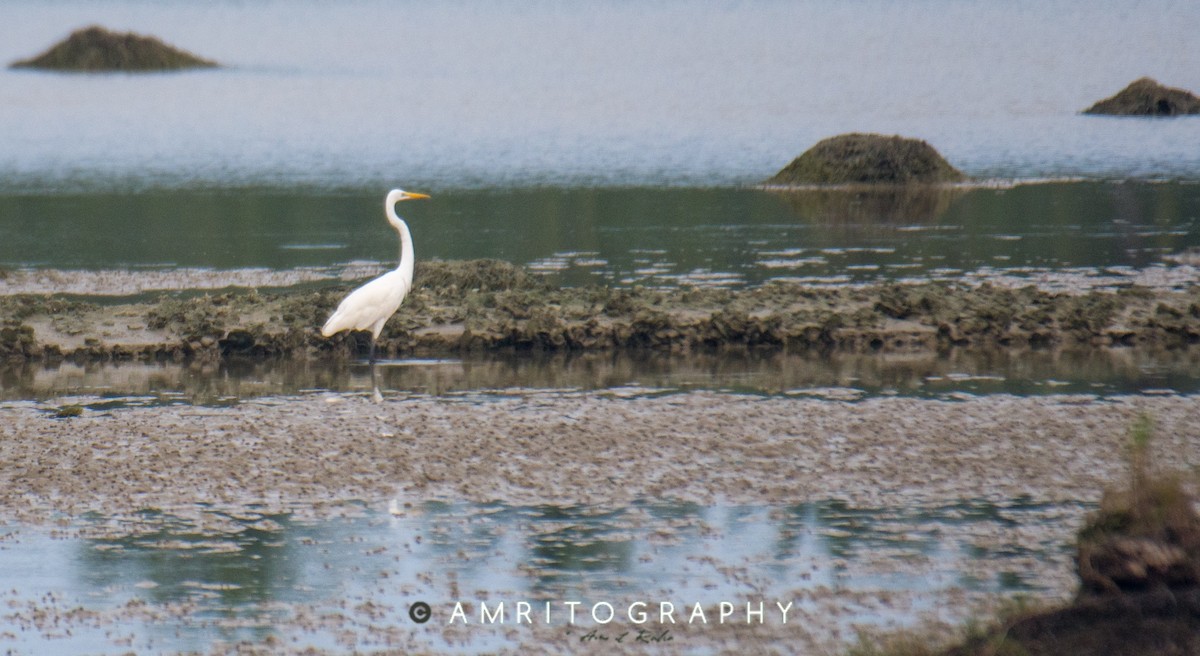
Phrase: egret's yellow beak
(409, 195)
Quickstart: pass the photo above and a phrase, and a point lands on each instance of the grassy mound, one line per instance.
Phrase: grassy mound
(1138, 562)
(95, 49)
(1139, 572)
(867, 159)
(1146, 97)
(1143, 538)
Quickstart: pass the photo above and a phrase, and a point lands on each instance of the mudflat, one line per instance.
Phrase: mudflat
(576, 448)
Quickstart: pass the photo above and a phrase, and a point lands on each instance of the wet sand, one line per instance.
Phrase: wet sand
(131, 282)
(576, 448)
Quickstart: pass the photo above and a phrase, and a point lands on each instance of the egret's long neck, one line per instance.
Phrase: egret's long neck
(406, 242)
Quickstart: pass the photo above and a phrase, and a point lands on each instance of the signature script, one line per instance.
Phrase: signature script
(641, 636)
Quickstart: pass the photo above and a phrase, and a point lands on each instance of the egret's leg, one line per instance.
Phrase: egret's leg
(375, 394)
(372, 358)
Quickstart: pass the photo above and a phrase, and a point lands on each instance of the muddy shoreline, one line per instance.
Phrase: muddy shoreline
(474, 306)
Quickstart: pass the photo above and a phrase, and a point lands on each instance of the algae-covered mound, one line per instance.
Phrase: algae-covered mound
(1146, 97)
(1139, 572)
(1139, 569)
(95, 49)
(486, 305)
(1142, 538)
(867, 159)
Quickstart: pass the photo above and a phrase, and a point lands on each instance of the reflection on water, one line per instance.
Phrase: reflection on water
(657, 237)
(843, 375)
(871, 205)
(205, 575)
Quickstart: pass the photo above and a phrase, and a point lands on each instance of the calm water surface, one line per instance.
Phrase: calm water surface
(1095, 231)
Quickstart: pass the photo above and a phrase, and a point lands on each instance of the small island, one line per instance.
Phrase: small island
(96, 50)
(867, 159)
(1146, 97)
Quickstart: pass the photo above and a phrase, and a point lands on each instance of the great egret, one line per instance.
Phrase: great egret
(370, 306)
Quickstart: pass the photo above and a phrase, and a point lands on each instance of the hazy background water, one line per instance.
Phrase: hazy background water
(372, 94)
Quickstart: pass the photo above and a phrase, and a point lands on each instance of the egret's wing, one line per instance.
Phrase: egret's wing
(369, 304)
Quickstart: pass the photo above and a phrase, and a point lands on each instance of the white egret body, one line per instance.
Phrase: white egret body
(370, 306)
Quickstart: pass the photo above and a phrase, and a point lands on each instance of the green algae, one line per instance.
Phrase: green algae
(489, 305)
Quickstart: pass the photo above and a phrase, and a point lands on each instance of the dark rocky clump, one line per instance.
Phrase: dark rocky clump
(95, 49)
(1139, 571)
(17, 340)
(474, 275)
(867, 159)
(1137, 624)
(1143, 538)
(1146, 97)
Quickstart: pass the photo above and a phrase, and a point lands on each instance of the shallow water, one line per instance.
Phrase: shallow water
(108, 386)
(1065, 235)
(246, 576)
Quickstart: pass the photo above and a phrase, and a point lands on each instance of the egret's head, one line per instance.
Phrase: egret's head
(398, 195)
